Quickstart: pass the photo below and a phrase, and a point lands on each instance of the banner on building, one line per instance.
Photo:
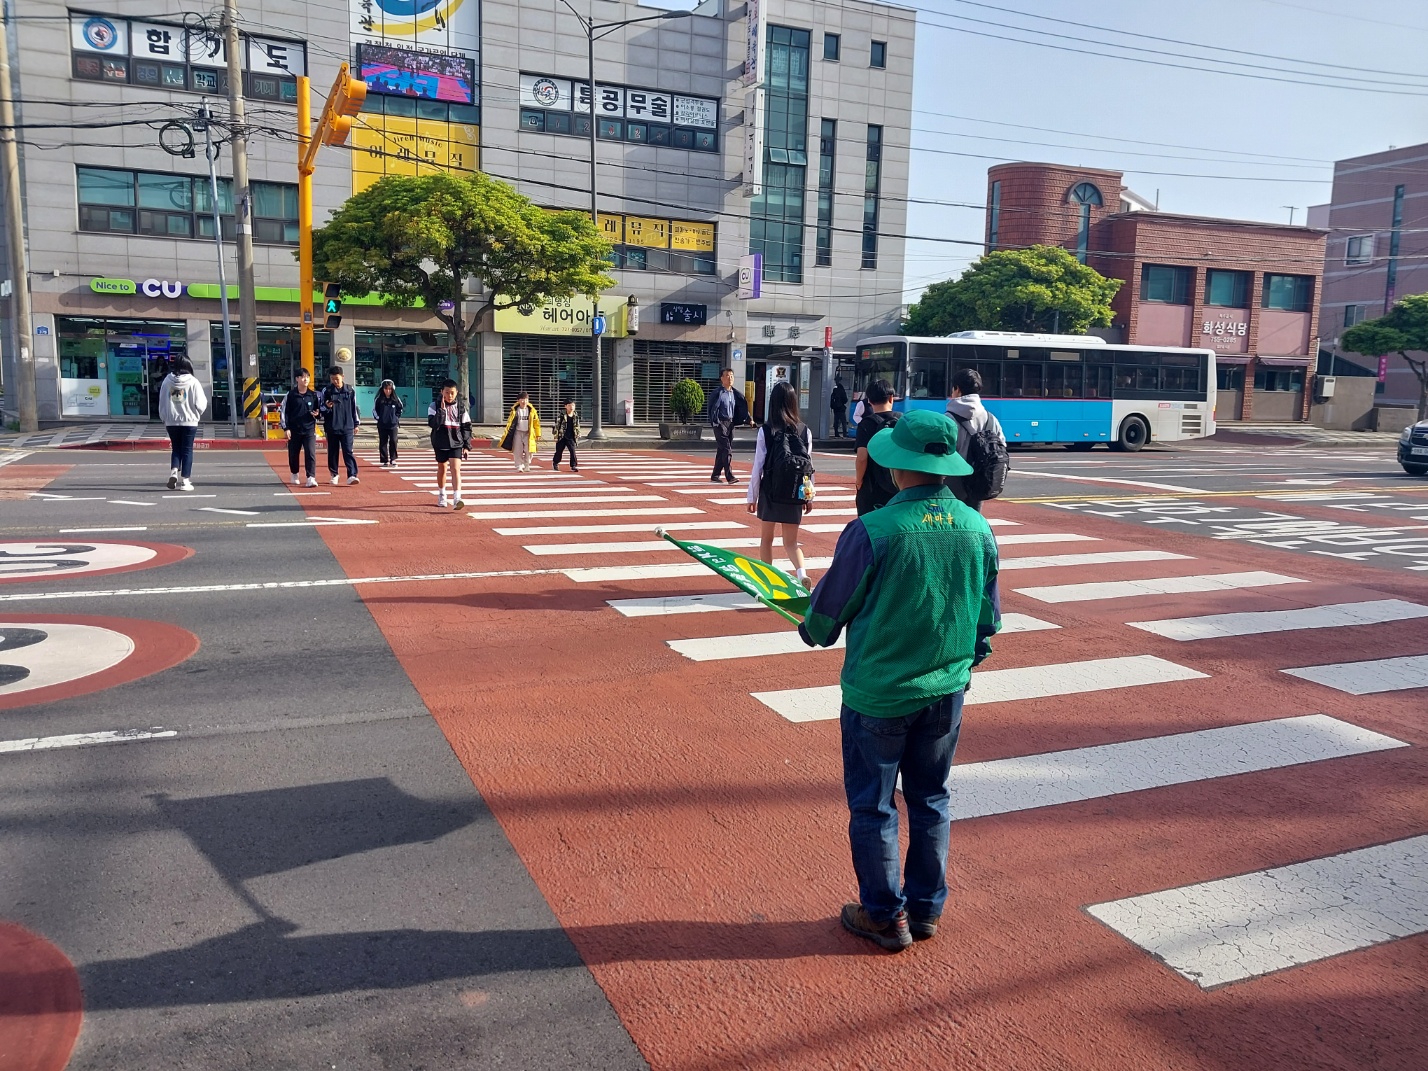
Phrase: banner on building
(754, 142)
(565, 316)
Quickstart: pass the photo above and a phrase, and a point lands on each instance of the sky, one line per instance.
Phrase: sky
(1213, 144)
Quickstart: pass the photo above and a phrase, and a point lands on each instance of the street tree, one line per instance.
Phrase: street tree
(417, 240)
(1404, 331)
(1040, 288)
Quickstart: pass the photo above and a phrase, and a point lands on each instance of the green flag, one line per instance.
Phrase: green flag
(775, 589)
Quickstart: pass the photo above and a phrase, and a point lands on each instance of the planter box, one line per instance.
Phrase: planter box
(681, 432)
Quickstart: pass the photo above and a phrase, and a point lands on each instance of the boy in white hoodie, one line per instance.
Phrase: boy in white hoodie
(966, 408)
(182, 401)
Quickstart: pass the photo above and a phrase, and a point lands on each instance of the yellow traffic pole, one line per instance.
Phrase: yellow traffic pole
(304, 120)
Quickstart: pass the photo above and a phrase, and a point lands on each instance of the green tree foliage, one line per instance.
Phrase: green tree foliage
(1403, 330)
(1041, 288)
(419, 239)
(686, 399)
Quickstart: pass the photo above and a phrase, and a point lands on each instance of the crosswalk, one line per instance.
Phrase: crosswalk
(596, 528)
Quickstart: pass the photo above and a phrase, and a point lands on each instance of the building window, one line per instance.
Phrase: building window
(1359, 249)
(995, 214)
(776, 223)
(827, 151)
(878, 56)
(872, 184)
(1390, 285)
(179, 206)
(1278, 379)
(1355, 314)
(1288, 293)
(1227, 289)
(832, 46)
(1087, 196)
(1166, 285)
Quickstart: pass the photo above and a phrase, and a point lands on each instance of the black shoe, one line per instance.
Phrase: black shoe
(713, 479)
(574, 469)
(732, 479)
(893, 935)
(922, 929)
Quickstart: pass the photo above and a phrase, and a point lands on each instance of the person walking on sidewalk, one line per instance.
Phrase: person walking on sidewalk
(340, 423)
(450, 424)
(522, 432)
(387, 412)
(838, 402)
(727, 411)
(181, 403)
(298, 419)
(874, 483)
(915, 586)
(781, 481)
(567, 431)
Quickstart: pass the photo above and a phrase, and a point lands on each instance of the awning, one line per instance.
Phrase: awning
(1285, 362)
(1231, 358)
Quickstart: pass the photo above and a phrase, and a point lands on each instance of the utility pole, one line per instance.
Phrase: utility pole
(243, 215)
(15, 225)
(210, 152)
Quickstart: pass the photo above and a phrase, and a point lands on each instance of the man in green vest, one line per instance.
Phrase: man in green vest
(915, 585)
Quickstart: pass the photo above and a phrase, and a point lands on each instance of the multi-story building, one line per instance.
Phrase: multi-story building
(1377, 253)
(804, 161)
(1246, 290)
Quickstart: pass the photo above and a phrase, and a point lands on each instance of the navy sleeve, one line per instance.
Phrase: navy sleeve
(840, 594)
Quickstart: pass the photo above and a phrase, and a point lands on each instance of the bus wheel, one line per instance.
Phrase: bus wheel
(1079, 447)
(1135, 433)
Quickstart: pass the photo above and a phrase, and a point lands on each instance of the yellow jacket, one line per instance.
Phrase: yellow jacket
(535, 426)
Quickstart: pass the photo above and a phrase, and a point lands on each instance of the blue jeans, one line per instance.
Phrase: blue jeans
(875, 750)
(181, 449)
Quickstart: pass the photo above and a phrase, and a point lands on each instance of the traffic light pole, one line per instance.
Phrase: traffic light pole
(304, 119)
(243, 214)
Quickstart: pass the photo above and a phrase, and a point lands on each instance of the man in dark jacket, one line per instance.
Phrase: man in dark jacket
(567, 431)
(340, 423)
(727, 411)
(838, 402)
(298, 418)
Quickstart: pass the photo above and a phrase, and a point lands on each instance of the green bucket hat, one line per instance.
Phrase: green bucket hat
(922, 441)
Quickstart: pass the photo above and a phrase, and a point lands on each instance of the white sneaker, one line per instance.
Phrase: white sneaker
(173, 478)
(312, 481)
(297, 480)
(352, 480)
(441, 500)
(186, 485)
(333, 481)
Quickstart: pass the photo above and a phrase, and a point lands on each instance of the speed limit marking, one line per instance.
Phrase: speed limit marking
(45, 657)
(63, 559)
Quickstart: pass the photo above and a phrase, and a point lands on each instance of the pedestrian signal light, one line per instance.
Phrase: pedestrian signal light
(331, 305)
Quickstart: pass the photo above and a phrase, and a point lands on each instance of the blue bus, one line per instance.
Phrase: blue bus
(1077, 390)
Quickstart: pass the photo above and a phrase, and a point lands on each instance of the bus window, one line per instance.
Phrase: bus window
(1182, 374)
(1137, 372)
(1023, 380)
(1063, 380)
(991, 373)
(928, 378)
(1098, 380)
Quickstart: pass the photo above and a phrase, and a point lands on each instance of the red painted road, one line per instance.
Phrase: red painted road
(693, 843)
(39, 1002)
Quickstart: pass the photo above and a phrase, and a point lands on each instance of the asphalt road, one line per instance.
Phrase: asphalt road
(408, 789)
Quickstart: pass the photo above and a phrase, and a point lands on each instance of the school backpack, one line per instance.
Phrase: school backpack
(880, 477)
(787, 465)
(987, 454)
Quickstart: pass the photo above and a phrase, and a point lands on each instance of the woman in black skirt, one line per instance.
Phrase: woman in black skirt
(783, 417)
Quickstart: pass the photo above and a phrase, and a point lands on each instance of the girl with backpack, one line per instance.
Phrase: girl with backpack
(781, 483)
(387, 412)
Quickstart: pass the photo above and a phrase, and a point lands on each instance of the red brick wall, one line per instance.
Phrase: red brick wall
(1034, 209)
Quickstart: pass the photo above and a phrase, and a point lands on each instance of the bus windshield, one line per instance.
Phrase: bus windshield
(881, 361)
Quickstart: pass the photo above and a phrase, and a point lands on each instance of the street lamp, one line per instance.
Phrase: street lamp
(594, 31)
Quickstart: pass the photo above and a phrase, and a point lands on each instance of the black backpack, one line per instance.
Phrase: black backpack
(987, 454)
(880, 477)
(786, 466)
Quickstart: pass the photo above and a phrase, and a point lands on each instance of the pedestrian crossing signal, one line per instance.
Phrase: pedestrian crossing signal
(331, 305)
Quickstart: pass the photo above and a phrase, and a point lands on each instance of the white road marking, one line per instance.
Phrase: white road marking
(61, 653)
(50, 498)
(41, 561)
(1109, 557)
(685, 604)
(84, 531)
(310, 494)
(1014, 539)
(311, 522)
(1005, 685)
(12, 456)
(650, 546)
(1257, 623)
(113, 736)
(476, 491)
(1249, 925)
(822, 497)
(1125, 483)
(551, 514)
(128, 502)
(787, 641)
(559, 498)
(186, 495)
(1001, 786)
(218, 509)
(611, 529)
(1166, 585)
(1002, 522)
(1368, 678)
(613, 574)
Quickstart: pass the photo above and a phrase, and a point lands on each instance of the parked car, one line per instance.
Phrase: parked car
(1413, 449)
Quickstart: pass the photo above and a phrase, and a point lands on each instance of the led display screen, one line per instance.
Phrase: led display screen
(404, 73)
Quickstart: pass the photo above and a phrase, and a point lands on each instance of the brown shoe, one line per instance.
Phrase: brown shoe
(893, 935)
(922, 929)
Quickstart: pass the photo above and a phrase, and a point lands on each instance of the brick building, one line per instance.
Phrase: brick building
(1247, 290)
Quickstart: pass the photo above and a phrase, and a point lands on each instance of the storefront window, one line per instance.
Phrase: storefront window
(114, 367)
(279, 358)
(1278, 379)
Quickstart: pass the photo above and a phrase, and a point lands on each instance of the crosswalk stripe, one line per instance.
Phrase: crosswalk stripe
(787, 641)
(1005, 685)
(1001, 786)
(1368, 678)
(664, 605)
(612, 529)
(1257, 623)
(1223, 931)
(820, 498)
(650, 546)
(553, 514)
(558, 499)
(473, 492)
(1108, 557)
(1002, 522)
(1014, 539)
(611, 574)
(1165, 585)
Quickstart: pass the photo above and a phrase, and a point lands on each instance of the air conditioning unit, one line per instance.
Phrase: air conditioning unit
(1324, 387)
